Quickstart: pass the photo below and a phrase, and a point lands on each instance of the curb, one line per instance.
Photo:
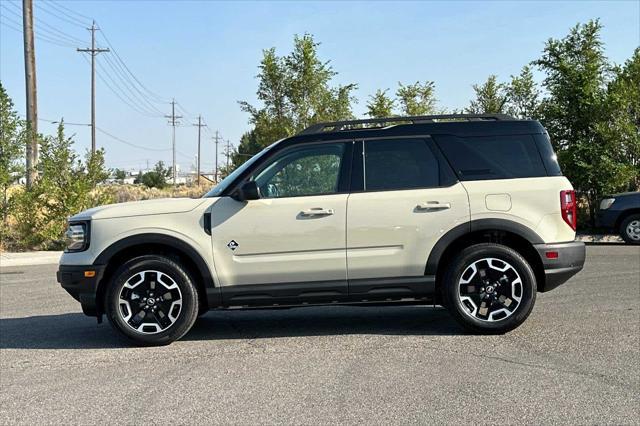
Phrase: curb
(29, 258)
(599, 239)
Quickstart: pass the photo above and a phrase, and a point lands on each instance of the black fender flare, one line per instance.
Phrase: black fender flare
(477, 225)
(212, 292)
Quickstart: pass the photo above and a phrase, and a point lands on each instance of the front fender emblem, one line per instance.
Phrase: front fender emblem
(233, 245)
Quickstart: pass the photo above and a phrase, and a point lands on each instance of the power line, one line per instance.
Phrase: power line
(55, 14)
(130, 143)
(47, 37)
(38, 36)
(118, 95)
(67, 12)
(132, 89)
(46, 27)
(115, 52)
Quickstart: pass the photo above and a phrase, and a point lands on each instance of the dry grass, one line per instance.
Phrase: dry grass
(125, 193)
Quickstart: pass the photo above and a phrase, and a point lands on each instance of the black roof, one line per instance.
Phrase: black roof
(463, 125)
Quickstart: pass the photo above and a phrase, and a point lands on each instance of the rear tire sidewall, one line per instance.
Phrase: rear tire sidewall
(188, 312)
(466, 258)
(623, 229)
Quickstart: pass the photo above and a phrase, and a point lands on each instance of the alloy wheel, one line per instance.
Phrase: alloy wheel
(490, 290)
(150, 302)
(633, 230)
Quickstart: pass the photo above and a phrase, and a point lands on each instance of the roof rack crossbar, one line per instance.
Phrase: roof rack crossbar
(337, 126)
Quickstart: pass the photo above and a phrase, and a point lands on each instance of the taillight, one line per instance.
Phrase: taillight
(568, 208)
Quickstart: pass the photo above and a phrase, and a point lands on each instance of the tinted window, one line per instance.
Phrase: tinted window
(549, 157)
(311, 170)
(399, 164)
(493, 157)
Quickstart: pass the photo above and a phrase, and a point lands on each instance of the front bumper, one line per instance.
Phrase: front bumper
(557, 270)
(81, 287)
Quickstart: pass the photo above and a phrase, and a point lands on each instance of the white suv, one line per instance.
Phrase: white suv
(471, 212)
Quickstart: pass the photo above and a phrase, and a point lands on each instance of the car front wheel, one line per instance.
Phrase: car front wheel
(152, 300)
(630, 229)
(489, 288)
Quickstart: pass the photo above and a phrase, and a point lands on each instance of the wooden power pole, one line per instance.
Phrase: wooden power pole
(216, 141)
(93, 51)
(200, 126)
(173, 120)
(32, 93)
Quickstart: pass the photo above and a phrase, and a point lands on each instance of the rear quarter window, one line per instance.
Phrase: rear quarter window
(493, 157)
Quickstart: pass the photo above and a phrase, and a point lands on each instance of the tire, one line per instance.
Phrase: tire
(151, 300)
(630, 229)
(507, 277)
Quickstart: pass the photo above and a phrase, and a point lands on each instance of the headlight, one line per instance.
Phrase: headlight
(606, 203)
(77, 236)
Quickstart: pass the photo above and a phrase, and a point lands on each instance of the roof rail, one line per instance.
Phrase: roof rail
(336, 126)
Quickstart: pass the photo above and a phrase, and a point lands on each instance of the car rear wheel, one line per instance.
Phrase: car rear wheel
(152, 300)
(489, 288)
(630, 229)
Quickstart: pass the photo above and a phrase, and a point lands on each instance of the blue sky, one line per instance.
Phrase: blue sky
(205, 54)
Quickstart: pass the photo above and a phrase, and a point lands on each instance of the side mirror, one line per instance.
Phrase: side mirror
(248, 191)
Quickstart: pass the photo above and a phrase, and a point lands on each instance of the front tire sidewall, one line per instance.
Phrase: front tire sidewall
(466, 258)
(188, 312)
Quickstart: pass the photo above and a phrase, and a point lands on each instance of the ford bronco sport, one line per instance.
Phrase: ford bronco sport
(468, 211)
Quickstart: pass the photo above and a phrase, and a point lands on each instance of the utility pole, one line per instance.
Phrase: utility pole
(32, 93)
(94, 52)
(173, 121)
(228, 154)
(200, 126)
(216, 141)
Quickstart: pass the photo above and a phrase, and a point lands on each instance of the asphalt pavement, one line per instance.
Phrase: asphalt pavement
(575, 360)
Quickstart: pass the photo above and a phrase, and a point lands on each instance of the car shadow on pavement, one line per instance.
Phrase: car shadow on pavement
(77, 331)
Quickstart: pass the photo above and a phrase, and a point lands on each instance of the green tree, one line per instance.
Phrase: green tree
(523, 95)
(11, 149)
(66, 186)
(156, 178)
(623, 105)
(119, 174)
(580, 113)
(295, 92)
(380, 105)
(417, 99)
(491, 97)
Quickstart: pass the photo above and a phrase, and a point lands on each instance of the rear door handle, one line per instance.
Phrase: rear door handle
(317, 211)
(432, 206)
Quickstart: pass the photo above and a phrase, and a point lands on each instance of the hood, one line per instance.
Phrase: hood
(141, 208)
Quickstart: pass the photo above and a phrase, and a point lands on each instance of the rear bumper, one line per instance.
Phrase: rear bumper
(79, 286)
(569, 261)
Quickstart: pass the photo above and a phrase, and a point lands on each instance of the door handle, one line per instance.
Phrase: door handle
(316, 211)
(433, 206)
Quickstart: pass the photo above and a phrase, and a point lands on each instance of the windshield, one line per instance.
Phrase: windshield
(222, 186)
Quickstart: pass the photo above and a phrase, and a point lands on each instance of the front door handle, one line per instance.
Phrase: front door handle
(316, 211)
(432, 206)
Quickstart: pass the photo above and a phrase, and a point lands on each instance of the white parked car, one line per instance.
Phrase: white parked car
(468, 211)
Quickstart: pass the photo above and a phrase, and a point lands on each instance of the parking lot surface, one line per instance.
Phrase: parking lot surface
(575, 360)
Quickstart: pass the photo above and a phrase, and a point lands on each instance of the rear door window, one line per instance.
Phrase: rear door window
(399, 164)
(493, 157)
